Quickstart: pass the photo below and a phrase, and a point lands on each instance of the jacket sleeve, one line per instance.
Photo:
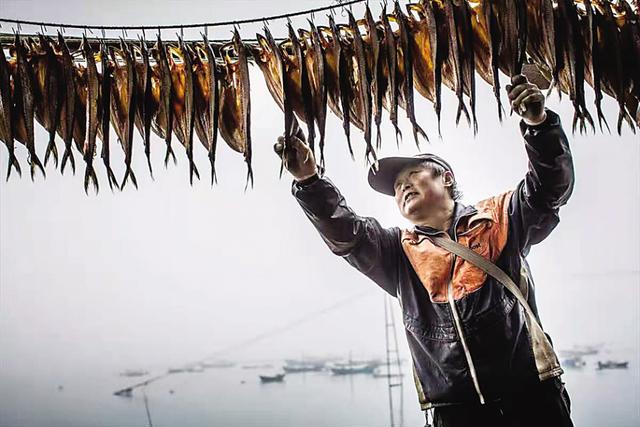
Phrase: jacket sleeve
(361, 241)
(534, 206)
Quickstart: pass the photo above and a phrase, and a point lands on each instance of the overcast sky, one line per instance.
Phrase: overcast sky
(171, 273)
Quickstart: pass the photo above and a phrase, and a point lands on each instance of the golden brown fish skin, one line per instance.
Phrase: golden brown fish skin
(206, 99)
(568, 29)
(105, 113)
(407, 57)
(299, 51)
(93, 88)
(391, 72)
(245, 99)
(377, 76)
(235, 104)
(49, 101)
(630, 34)
(164, 118)
(6, 114)
(318, 87)
(462, 15)
(146, 107)
(267, 55)
(331, 51)
(67, 112)
(186, 119)
(123, 106)
(25, 103)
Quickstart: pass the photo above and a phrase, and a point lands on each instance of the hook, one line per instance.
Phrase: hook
(103, 33)
(144, 36)
(159, 32)
(181, 32)
(206, 31)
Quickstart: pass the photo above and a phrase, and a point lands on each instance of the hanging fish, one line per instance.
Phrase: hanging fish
(629, 25)
(235, 101)
(570, 60)
(6, 114)
(377, 76)
(123, 105)
(183, 108)
(540, 37)
(407, 58)
(316, 67)
(462, 16)
(424, 44)
(206, 100)
(331, 52)
(67, 112)
(93, 91)
(105, 113)
(343, 86)
(163, 123)
(24, 101)
(145, 106)
(266, 54)
(49, 92)
(390, 70)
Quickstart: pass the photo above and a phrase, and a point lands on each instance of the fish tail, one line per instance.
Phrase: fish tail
(111, 178)
(68, 156)
(193, 170)
(249, 175)
(462, 108)
(601, 118)
(378, 137)
(398, 134)
(13, 162)
(147, 152)
(34, 162)
(322, 163)
(129, 175)
(90, 175)
(51, 149)
(212, 160)
(169, 153)
(417, 130)
(347, 133)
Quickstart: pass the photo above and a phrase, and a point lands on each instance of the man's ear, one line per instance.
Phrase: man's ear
(447, 178)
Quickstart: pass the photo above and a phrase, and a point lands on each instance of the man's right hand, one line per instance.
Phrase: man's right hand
(298, 158)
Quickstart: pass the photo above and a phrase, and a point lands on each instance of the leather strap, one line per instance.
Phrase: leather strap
(487, 266)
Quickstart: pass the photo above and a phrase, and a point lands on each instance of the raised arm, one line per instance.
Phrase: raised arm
(548, 183)
(361, 241)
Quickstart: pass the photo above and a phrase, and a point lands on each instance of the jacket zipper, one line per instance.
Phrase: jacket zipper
(458, 323)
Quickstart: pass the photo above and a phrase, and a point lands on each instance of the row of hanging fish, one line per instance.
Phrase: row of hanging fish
(356, 70)
(170, 90)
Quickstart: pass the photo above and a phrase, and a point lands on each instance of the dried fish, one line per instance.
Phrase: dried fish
(145, 105)
(49, 93)
(407, 57)
(164, 118)
(67, 112)
(105, 113)
(315, 62)
(206, 100)
(377, 76)
(6, 114)
(267, 55)
(93, 88)
(235, 102)
(25, 105)
(390, 70)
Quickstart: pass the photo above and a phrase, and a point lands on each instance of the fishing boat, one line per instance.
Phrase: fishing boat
(134, 373)
(611, 364)
(295, 369)
(573, 362)
(352, 368)
(217, 364)
(278, 378)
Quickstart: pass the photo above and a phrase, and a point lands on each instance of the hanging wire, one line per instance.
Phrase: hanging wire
(208, 24)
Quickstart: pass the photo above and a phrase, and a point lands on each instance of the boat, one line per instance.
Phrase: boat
(573, 362)
(134, 373)
(295, 369)
(258, 366)
(218, 364)
(176, 370)
(278, 378)
(352, 368)
(611, 364)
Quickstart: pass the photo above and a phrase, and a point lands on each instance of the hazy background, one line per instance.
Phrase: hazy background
(172, 273)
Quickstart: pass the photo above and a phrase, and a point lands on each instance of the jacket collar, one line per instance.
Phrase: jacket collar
(459, 211)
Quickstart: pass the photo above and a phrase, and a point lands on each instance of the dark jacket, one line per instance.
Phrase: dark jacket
(478, 344)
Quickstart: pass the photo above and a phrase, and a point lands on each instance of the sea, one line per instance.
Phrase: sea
(235, 397)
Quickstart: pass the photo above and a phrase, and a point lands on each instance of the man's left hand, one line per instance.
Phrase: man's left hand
(526, 100)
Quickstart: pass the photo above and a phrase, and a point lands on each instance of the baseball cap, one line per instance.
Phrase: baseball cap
(384, 177)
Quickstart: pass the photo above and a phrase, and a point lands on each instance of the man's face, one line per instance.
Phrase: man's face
(417, 192)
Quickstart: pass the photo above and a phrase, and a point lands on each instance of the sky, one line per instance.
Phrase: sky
(172, 273)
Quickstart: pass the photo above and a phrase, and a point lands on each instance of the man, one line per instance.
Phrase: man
(480, 356)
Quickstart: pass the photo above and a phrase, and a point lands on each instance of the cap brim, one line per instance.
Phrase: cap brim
(383, 179)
